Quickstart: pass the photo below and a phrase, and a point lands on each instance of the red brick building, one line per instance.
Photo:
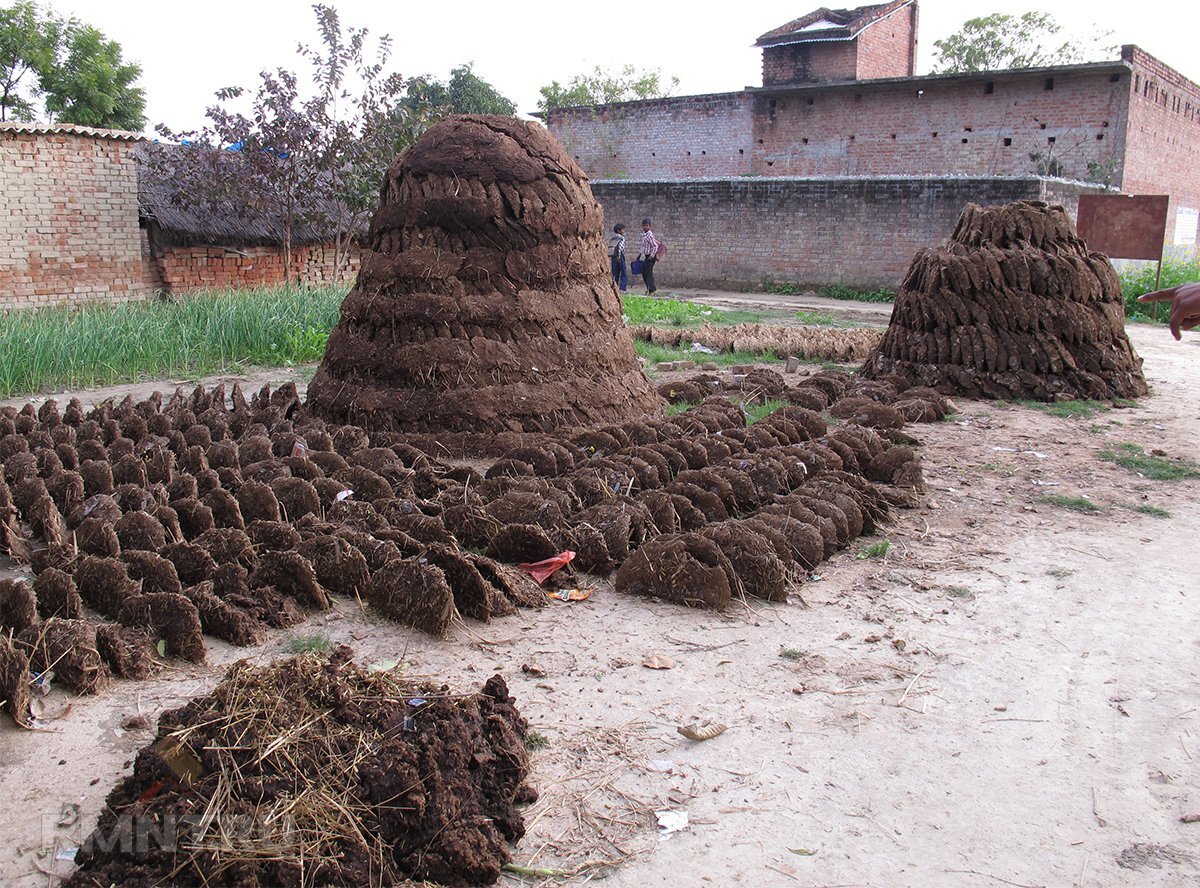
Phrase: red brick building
(839, 100)
(79, 223)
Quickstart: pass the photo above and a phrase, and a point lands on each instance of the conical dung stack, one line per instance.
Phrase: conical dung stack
(1013, 306)
(486, 302)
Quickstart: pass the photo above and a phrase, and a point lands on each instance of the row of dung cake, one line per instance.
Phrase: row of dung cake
(788, 482)
(161, 545)
(882, 404)
(823, 343)
(1013, 306)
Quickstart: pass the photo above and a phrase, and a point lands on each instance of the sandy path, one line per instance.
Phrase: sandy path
(952, 714)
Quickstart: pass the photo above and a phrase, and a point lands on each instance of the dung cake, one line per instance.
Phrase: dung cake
(1013, 306)
(485, 303)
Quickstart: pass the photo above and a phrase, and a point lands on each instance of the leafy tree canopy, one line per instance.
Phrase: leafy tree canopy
(998, 41)
(602, 87)
(465, 93)
(64, 70)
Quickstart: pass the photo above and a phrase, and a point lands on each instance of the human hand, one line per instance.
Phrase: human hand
(1185, 306)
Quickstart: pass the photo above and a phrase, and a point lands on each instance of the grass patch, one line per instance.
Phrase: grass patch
(655, 354)
(791, 653)
(832, 291)
(841, 291)
(818, 319)
(1074, 503)
(535, 740)
(875, 550)
(200, 334)
(959, 592)
(1156, 468)
(1067, 409)
(755, 412)
(1060, 573)
(1153, 511)
(303, 644)
(676, 409)
(1138, 281)
(680, 313)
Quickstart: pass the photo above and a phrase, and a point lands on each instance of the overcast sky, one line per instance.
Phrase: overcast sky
(189, 50)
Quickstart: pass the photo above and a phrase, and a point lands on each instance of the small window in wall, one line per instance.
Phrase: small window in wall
(858, 97)
(1041, 126)
(741, 151)
(967, 129)
(1049, 83)
(805, 140)
(1008, 143)
(893, 135)
(964, 141)
(1099, 137)
(935, 135)
(1116, 78)
(989, 87)
(811, 101)
(852, 138)
(760, 141)
(770, 163)
(1051, 140)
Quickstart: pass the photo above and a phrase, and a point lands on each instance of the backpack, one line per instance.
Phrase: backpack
(661, 251)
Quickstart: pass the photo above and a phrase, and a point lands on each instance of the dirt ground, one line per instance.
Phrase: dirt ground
(1007, 697)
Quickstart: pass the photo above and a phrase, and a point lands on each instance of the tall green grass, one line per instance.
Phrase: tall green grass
(198, 334)
(1137, 281)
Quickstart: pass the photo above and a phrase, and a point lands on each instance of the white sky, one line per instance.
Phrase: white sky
(188, 50)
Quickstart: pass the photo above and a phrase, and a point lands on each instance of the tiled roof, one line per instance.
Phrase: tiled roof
(829, 24)
(68, 129)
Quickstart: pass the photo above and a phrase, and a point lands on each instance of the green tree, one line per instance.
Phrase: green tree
(465, 93)
(92, 85)
(28, 44)
(64, 70)
(602, 87)
(998, 41)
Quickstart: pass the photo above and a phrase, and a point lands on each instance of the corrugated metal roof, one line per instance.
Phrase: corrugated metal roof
(67, 129)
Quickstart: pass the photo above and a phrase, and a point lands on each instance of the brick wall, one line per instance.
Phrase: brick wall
(739, 233)
(186, 268)
(888, 48)
(672, 138)
(69, 220)
(809, 62)
(933, 126)
(1163, 137)
(943, 126)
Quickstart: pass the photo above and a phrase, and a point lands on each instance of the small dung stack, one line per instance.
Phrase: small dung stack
(1013, 306)
(485, 303)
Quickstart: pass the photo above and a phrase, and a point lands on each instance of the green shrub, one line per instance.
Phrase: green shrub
(1139, 280)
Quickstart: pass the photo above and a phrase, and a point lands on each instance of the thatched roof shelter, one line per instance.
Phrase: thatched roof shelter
(179, 218)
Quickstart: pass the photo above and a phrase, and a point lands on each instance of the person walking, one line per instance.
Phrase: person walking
(616, 251)
(649, 256)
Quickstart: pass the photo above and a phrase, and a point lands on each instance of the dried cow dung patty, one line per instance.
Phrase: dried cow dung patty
(684, 568)
(485, 302)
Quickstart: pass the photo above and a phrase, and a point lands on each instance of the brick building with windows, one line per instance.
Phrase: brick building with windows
(840, 104)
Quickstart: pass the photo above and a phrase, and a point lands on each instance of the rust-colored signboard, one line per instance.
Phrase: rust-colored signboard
(1124, 226)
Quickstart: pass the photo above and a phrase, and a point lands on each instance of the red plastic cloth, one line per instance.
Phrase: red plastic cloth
(541, 570)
